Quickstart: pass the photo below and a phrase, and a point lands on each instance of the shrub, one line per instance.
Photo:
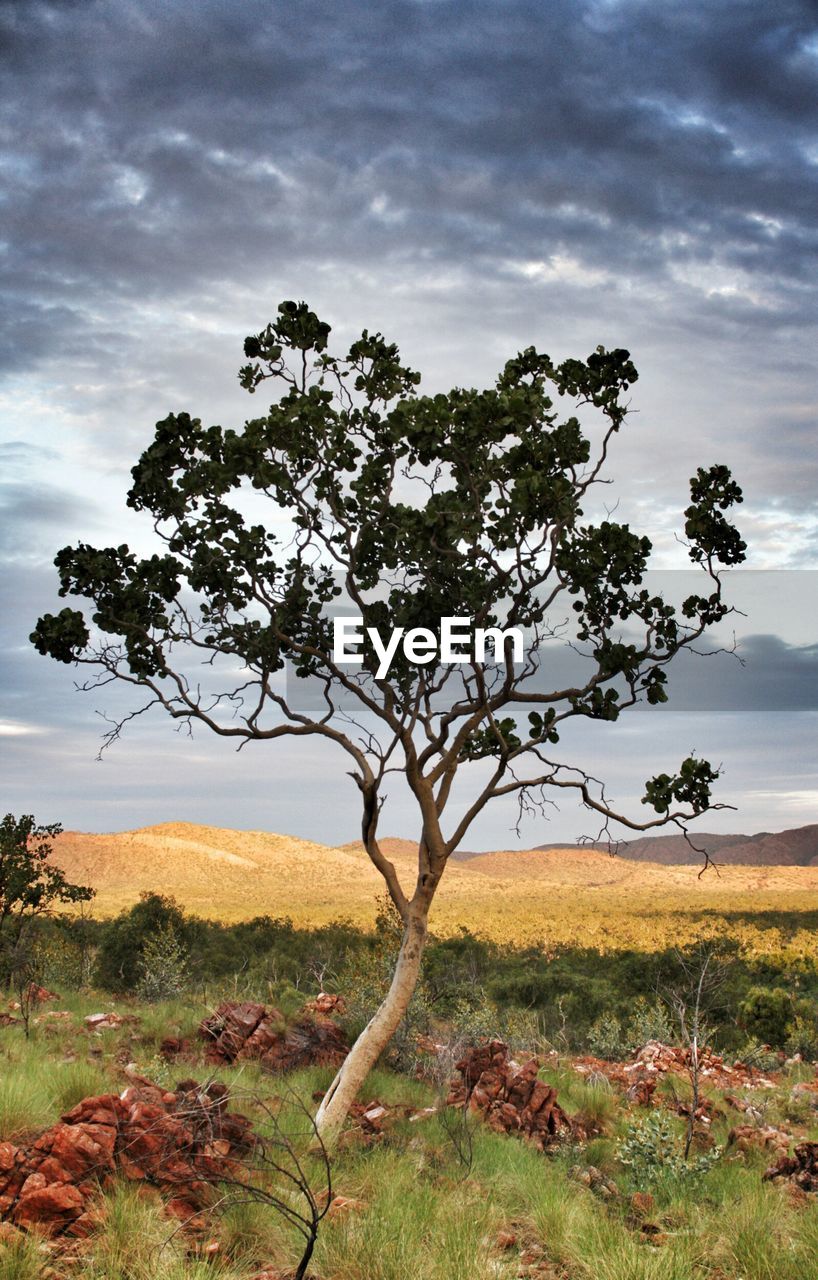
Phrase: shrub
(162, 966)
(652, 1150)
(648, 1022)
(120, 955)
(61, 962)
(605, 1037)
(802, 1034)
(765, 1013)
(760, 1056)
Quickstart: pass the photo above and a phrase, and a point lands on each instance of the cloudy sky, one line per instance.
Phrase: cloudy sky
(469, 177)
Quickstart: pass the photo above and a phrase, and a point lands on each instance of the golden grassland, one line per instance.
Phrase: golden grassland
(567, 896)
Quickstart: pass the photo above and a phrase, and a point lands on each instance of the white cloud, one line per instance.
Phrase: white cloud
(18, 729)
(559, 267)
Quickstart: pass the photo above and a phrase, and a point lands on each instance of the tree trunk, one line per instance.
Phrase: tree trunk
(377, 1033)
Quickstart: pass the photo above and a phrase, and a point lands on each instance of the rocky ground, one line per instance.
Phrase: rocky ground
(179, 1126)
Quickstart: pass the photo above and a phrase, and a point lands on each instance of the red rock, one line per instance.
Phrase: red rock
(130, 1169)
(87, 1223)
(801, 1167)
(229, 1027)
(265, 1037)
(326, 1004)
(343, 1205)
(511, 1097)
(99, 1021)
(250, 1031)
(108, 1109)
(186, 1141)
(172, 1046)
(310, 1041)
(217, 1149)
(370, 1116)
(39, 995)
(748, 1137)
(34, 1182)
(655, 1059)
(50, 1208)
(643, 1204)
(79, 1150)
(641, 1092)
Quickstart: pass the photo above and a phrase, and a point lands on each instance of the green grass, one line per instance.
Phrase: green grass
(21, 1259)
(38, 1082)
(423, 1211)
(408, 1227)
(25, 1102)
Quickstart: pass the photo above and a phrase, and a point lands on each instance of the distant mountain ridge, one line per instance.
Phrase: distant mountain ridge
(797, 847)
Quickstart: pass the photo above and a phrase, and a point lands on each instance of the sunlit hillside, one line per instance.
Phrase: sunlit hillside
(569, 895)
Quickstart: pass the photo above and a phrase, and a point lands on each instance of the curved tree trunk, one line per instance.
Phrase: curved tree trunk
(377, 1033)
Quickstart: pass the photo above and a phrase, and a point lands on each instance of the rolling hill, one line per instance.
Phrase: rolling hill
(568, 894)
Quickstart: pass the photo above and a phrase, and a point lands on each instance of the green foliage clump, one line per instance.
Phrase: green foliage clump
(802, 1033)
(652, 1151)
(765, 1012)
(755, 1054)
(606, 1039)
(649, 1021)
(30, 883)
(120, 961)
(163, 970)
(609, 1038)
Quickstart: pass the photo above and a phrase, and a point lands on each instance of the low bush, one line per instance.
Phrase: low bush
(652, 1151)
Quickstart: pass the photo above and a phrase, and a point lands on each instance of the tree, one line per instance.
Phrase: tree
(405, 509)
(30, 884)
(704, 974)
(120, 964)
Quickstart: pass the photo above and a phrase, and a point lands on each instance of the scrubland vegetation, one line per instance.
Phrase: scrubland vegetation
(574, 997)
(439, 1195)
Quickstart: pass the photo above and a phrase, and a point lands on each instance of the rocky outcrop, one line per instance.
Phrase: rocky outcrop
(801, 1168)
(183, 1143)
(229, 1029)
(510, 1096)
(655, 1060)
(750, 1137)
(325, 1004)
(317, 1042)
(238, 1031)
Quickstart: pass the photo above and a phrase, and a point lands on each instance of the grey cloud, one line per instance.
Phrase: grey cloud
(156, 147)
(20, 454)
(771, 676)
(30, 513)
(470, 177)
(774, 677)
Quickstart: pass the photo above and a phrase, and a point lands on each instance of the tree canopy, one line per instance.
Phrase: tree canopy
(30, 883)
(413, 507)
(406, 508)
